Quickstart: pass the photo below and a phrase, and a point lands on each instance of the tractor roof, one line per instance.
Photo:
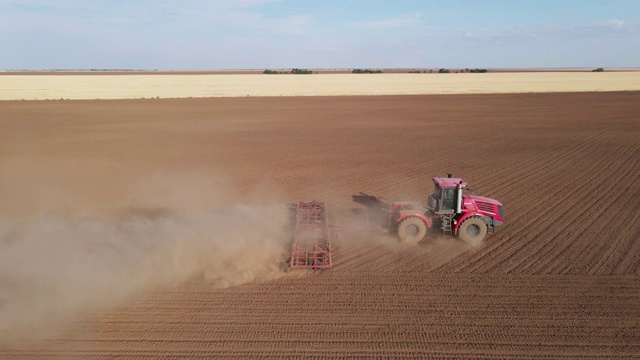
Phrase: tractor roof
(449, 182)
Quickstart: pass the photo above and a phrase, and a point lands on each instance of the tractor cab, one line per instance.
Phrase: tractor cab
(447, 193)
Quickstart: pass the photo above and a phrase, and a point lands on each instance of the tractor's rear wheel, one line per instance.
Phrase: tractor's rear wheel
(412, 229)
(473, 230)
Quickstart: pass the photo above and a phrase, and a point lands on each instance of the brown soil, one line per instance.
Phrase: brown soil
(560, 279)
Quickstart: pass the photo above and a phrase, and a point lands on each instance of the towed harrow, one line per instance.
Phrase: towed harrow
(313, 233)
(311, 239)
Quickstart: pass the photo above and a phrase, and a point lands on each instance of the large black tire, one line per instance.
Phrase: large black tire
(412, 229)
(473, 230)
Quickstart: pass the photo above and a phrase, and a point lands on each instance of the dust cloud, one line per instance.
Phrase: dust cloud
(56, 266)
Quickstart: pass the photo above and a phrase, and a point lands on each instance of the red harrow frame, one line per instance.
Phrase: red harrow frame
(312, 238)
(313, 233)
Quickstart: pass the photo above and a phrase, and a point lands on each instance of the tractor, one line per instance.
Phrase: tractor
(456, 214)
(468, 216)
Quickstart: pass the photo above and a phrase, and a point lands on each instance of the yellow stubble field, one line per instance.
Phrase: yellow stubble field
(136, 86)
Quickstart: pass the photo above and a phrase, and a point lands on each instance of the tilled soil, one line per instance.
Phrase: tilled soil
(559, 279)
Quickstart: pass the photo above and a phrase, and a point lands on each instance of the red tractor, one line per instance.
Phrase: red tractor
(468, 216)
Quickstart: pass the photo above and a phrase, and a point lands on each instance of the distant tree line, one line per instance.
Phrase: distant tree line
(293, 71)
(598, 70)
(446, 71)
(301, 71)
(366, 71)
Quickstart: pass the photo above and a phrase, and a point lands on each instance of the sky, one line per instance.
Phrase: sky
(318, 34)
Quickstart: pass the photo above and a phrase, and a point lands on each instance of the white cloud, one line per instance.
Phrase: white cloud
(559, 32)
(615, 23)
(389, 23)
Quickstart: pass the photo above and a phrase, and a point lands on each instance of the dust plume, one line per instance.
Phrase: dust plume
(55, 267)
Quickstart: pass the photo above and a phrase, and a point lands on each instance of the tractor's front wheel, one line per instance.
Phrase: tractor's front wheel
(473, 230)
(412, 229)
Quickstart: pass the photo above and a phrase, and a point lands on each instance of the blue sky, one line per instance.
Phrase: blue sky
(259, 34)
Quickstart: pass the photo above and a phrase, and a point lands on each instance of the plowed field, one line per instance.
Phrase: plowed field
(560, 279)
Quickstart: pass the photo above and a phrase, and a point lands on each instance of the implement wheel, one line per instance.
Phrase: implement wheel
(412, 229)
(473, 230)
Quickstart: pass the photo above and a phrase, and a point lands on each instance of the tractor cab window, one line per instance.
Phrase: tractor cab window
(437, 192)
(448, 199)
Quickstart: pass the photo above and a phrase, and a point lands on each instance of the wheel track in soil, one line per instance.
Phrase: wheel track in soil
(519, 175)
(631, 259)
(492, 246)
(558, 239)
(611, 255)
(483, 255)
(557, 236)
(590, 257)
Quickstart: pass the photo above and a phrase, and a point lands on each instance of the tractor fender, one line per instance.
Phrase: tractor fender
(403, 214)
(465, 216)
